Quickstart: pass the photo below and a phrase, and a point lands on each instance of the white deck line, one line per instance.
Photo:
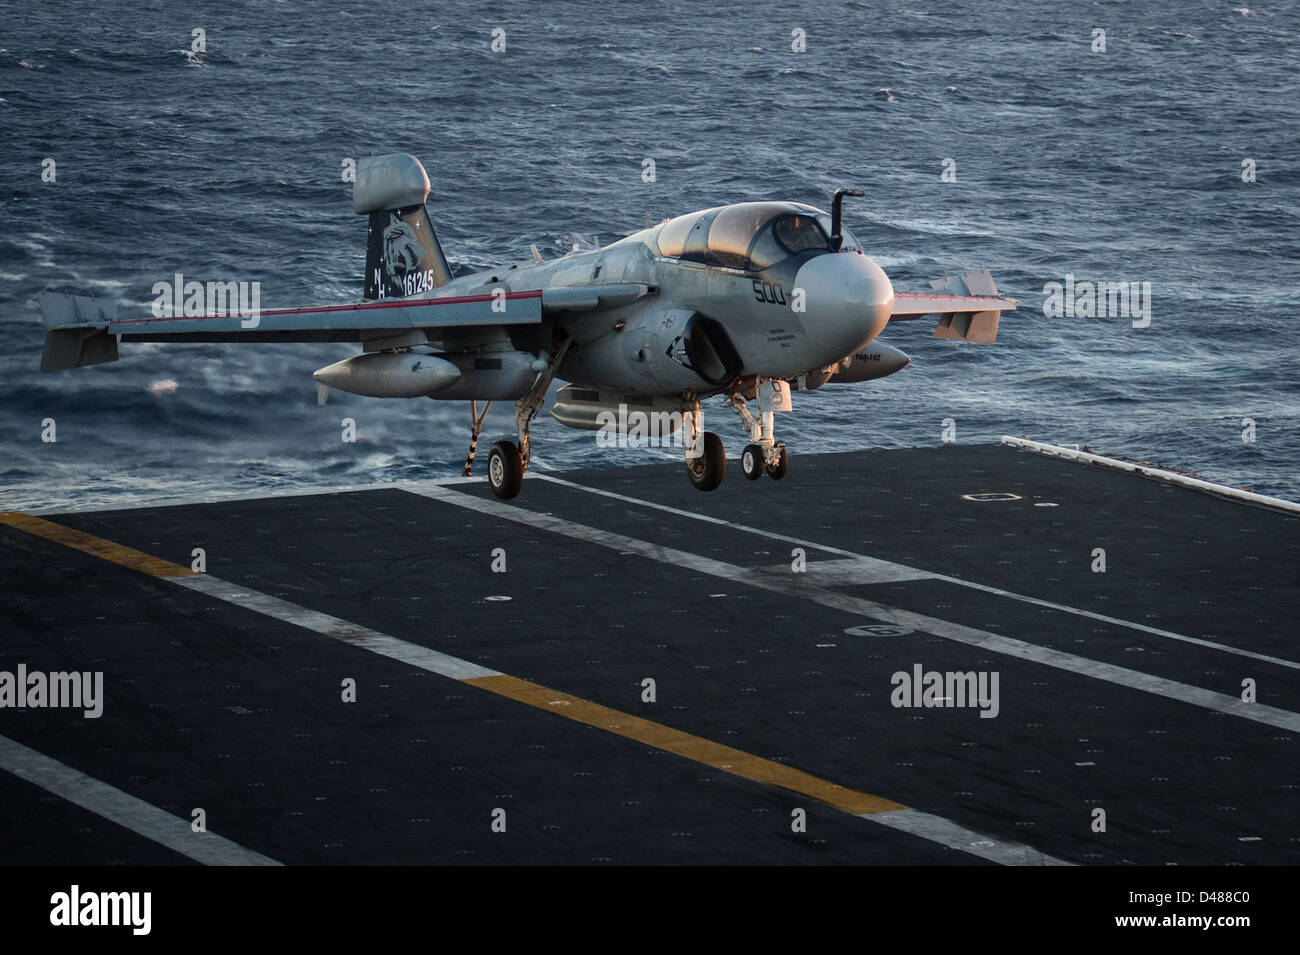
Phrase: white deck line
(875, 570)
(808, 590)
(129, 812)
(923, 825)
(1222, 490)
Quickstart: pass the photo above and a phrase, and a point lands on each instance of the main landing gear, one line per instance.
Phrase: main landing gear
(706, 461)
(706, 458)
(505, 470)
(507, 461)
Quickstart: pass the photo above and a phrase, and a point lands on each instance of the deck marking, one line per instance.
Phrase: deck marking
(695, 748)
(684, 744)
(130, 812)
(344, 631)
(795, 587)
(938, 829)
(97, 546)
(1151, 472)
(883, 570)
(850, 571)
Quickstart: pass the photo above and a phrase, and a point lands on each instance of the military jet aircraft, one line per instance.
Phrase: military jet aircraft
(747, 301)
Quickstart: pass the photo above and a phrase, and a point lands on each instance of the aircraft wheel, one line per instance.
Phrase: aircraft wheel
(751, 462)
(708, 469)
(777, 471)
(505, 470)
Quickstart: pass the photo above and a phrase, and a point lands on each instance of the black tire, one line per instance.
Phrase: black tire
(505, 470)
(777, 471)
(751, 462)
(707, 471)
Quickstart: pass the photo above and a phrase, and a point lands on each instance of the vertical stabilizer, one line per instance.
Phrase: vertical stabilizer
(403, 255)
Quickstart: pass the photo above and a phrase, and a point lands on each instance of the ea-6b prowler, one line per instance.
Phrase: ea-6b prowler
(745, 301)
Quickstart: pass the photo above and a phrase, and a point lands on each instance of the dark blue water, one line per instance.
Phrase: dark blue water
(1123, 165)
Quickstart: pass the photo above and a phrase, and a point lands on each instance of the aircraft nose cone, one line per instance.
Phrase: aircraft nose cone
(849, 299)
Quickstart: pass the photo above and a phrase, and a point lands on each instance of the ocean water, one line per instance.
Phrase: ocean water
(226, 163)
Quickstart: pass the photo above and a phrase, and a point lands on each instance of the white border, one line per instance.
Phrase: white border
(1221, 490)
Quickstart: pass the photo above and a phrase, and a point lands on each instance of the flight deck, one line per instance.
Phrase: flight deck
(962, 655)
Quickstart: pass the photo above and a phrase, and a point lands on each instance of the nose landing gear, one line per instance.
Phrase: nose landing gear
(706, 460)
(765, 453)
(756, 459)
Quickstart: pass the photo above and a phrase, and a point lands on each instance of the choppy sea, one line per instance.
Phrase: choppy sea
(223, 159)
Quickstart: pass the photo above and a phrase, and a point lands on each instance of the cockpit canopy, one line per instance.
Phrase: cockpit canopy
(751, 236)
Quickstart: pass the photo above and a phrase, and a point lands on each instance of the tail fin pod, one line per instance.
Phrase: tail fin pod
(403, 255)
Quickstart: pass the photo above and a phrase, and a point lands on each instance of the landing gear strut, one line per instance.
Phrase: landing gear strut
(764, 453)
(476, 430)
(507, 462)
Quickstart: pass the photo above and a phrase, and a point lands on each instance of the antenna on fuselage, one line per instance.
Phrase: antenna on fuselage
(837, 215)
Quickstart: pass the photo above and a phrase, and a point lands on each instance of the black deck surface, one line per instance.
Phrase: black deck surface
(215, 706)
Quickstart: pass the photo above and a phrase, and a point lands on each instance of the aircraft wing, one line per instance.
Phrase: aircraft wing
(968, 307)
(86, 331)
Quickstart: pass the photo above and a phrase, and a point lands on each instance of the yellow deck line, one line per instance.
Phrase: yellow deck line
(96, 546)
(695, 748)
